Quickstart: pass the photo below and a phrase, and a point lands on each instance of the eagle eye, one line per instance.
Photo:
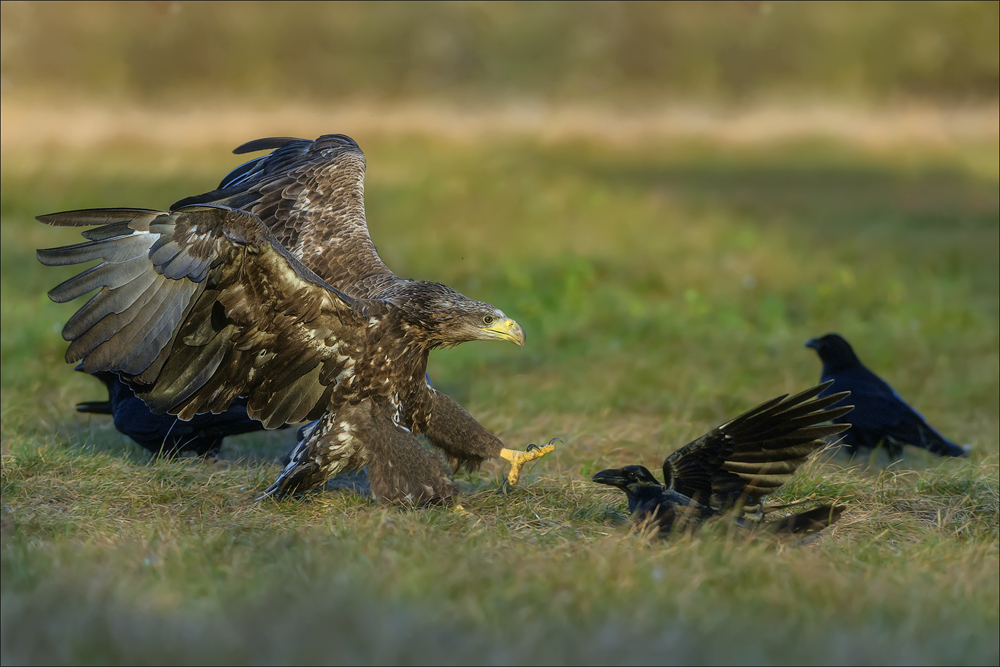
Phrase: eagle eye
(488, 319)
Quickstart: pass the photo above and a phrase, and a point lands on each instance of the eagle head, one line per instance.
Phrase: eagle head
(449, 317)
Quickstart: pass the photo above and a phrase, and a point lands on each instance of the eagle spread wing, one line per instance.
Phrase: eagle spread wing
(310, 194)
(201, 305)
(756, 453)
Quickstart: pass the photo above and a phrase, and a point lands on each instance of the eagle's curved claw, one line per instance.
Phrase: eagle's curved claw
(518, 459)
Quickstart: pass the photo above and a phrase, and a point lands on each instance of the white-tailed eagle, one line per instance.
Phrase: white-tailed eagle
(270, 289)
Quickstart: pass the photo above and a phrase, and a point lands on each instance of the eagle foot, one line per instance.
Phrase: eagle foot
(518, 459)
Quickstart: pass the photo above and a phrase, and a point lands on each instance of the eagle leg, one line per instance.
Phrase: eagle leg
(518, 459)
(400, 470)
(329, 446)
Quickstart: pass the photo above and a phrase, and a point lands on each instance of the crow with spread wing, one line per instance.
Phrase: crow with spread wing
(880, 414)
(735, 465)
(202, 305)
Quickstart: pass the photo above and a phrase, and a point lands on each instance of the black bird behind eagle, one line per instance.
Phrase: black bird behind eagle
(736, 464)
(164, 434)
(204, 305)
(880, 414)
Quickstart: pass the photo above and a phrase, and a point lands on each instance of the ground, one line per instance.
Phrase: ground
(664, 285)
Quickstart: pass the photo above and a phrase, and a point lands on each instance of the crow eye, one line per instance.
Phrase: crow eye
(488, 319)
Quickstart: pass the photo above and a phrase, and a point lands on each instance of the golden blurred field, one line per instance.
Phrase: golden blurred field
(623, 53)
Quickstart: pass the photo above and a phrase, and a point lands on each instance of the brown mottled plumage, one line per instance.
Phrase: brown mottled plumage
(204, 304)
(310, 194)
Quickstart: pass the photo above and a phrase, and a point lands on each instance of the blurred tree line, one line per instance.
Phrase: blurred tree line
(606, 51)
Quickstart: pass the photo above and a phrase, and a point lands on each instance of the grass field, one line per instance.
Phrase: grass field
(664, 286)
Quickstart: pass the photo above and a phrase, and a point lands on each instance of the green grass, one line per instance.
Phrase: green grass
(663, 289)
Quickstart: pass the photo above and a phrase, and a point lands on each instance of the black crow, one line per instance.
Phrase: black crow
(880, 414)
(165, 434)
(735, 465)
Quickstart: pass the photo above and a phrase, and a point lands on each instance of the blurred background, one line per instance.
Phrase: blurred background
(478, 52)
(467, 68)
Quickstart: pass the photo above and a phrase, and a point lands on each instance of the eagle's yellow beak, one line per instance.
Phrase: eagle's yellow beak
(507, 329)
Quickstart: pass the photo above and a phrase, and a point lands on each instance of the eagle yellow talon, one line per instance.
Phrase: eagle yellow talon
(518, 459)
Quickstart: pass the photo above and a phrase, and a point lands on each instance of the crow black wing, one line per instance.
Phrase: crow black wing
(756, 453)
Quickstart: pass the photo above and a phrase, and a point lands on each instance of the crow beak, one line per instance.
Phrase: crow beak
(612, 477)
